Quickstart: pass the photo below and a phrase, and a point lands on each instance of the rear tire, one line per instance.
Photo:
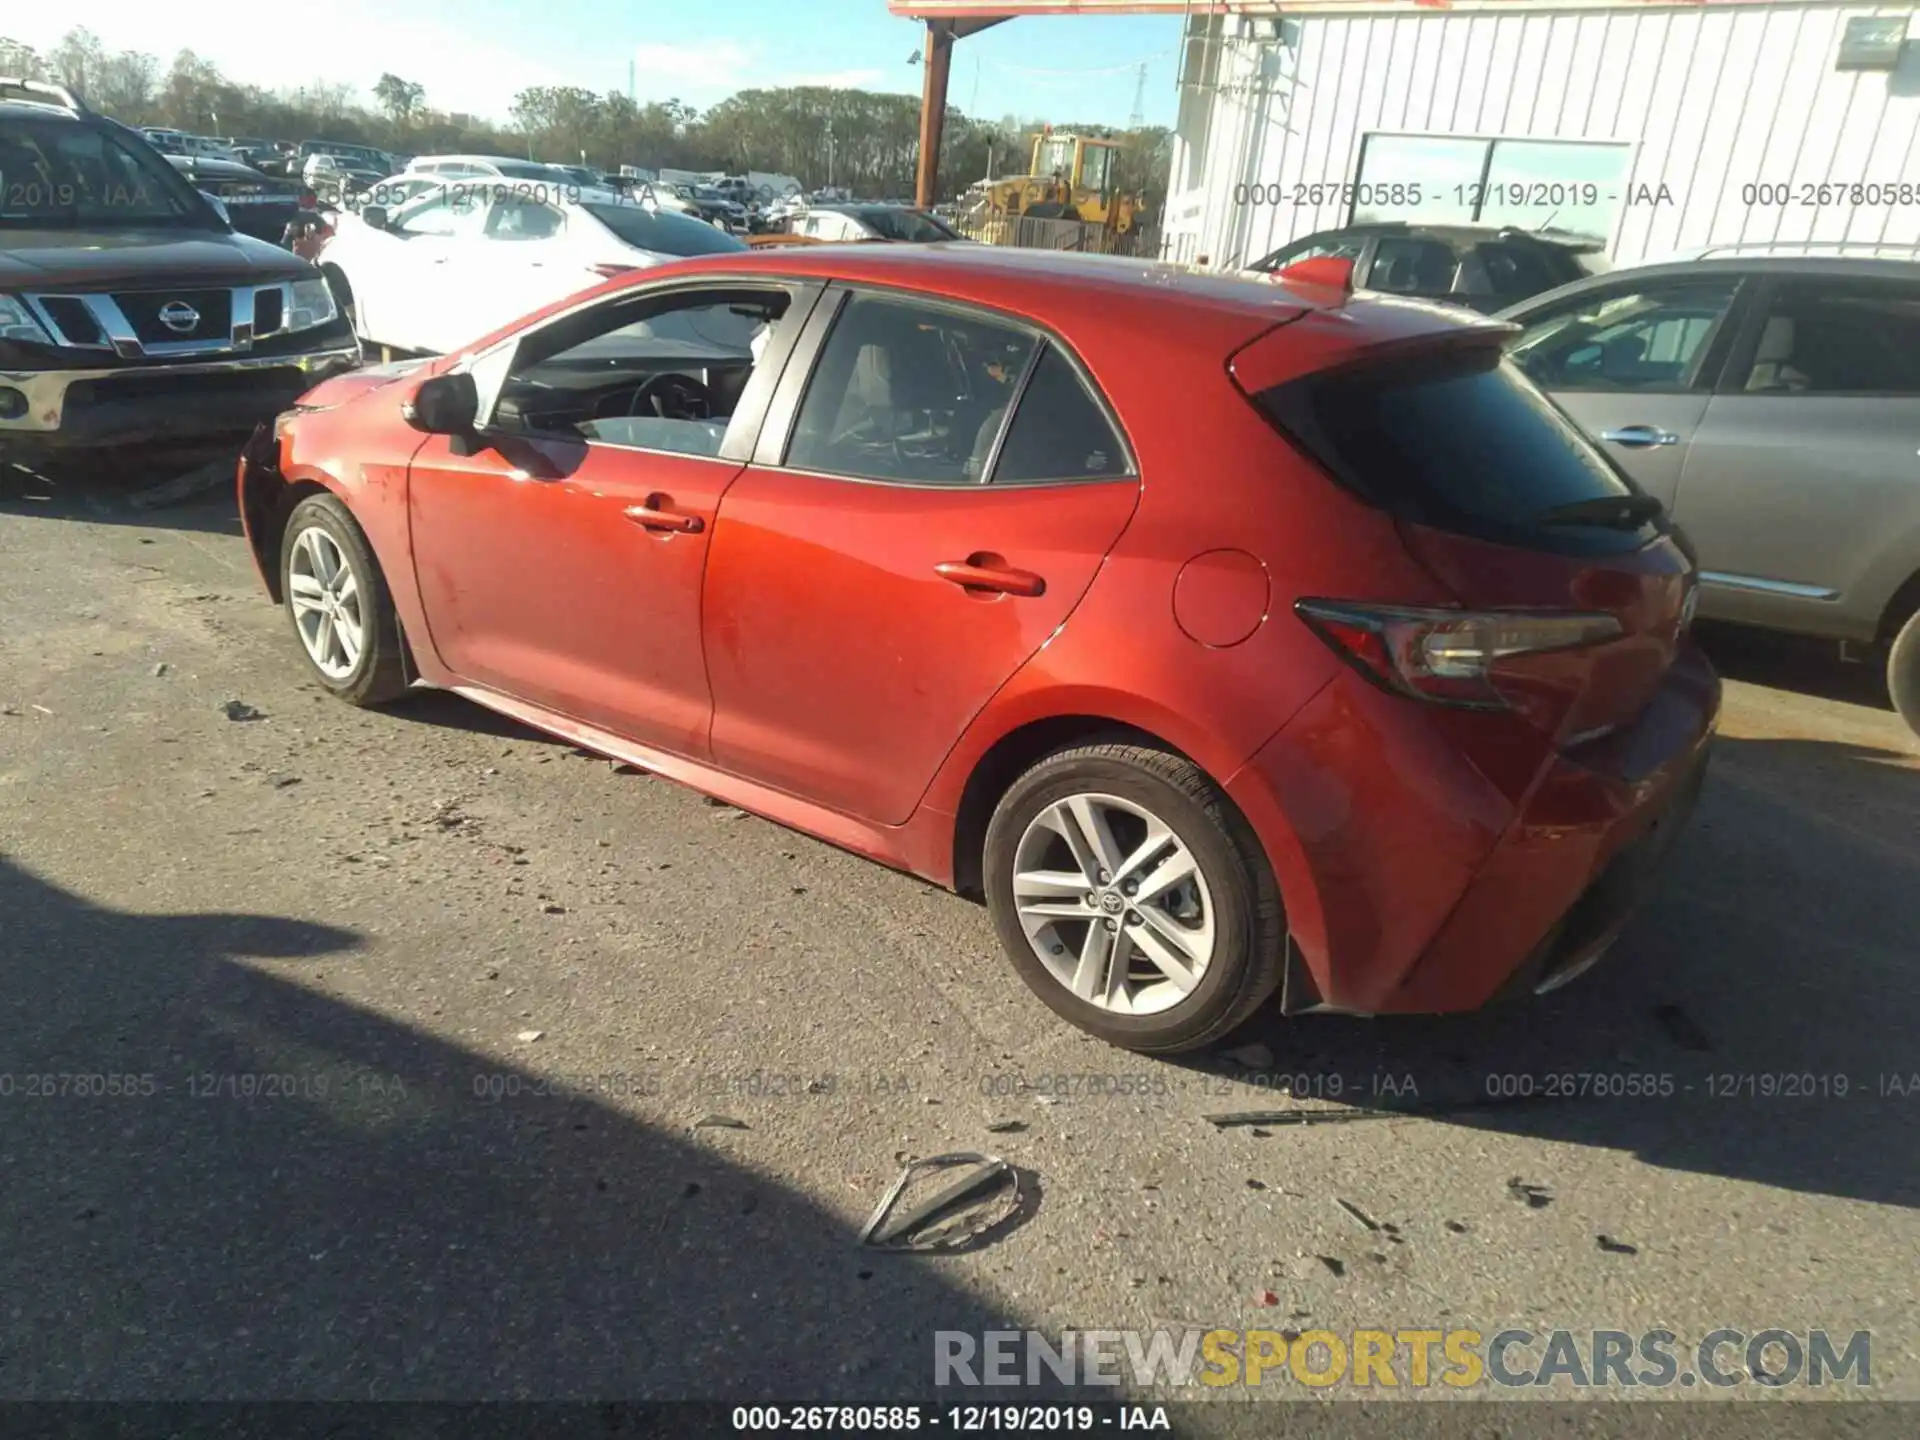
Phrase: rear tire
(1052, 928)
(338, 603)
(1903, 672)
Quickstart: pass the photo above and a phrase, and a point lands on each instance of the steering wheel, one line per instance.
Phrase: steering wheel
(673, 397)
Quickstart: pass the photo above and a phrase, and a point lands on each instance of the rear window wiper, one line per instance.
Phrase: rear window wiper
(1614, 512)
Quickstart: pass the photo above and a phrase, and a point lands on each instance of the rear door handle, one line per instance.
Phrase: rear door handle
(1640, 437)
(972, 576)
(653, 516)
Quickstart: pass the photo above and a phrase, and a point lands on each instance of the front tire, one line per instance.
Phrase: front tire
(339, 605)
(1133, 898)
(1903, 672)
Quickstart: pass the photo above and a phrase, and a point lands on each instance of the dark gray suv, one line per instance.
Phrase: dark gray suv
(1772, 402)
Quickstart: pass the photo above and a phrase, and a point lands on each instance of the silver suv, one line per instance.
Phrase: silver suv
(1772, 402)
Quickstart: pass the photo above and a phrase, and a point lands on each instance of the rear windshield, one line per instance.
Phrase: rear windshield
(909, 225)
(1461, 442)
(664, 233)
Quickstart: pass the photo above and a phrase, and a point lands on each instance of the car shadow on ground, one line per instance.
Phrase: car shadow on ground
(301, 1199)
(1795, 662)
(156, 488)
(1773, 976)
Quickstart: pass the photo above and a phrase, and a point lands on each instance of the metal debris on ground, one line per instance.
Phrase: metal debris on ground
(719, 1122)
(240, 710)
(160, 669)
(527, 1037)
(1366, 1221)
(986, 1194)
(1333, 1115)
(43, 709)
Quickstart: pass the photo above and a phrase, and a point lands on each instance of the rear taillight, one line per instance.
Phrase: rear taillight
(309, 200)
(1448, 657)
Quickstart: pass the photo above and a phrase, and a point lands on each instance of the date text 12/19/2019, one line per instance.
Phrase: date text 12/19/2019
(956, 1419)
(1413, 194)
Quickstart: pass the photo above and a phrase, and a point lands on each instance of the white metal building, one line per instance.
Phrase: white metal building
(1660, 128)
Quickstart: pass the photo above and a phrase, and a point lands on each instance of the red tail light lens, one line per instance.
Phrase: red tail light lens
(1447, 656)
(309, 201)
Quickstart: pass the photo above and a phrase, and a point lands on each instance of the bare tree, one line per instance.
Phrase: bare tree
(125, 89)
(399, 98)
(78, 60)
(21, 59)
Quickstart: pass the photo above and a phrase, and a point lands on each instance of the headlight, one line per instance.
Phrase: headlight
(17, 323)
(312, 305)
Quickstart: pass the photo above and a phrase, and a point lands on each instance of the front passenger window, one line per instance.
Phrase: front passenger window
(642, 373)
(1649, 341)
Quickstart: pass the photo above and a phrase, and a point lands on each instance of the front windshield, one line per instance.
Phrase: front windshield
(908, 225)
(58, 173)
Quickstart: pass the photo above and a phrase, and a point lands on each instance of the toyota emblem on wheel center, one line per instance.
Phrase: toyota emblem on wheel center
(179, 316)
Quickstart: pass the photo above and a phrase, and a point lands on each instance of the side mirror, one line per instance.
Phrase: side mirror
(444, 405)
(374, 215)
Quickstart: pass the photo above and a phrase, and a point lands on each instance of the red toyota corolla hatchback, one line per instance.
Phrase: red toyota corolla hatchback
(1228, 637)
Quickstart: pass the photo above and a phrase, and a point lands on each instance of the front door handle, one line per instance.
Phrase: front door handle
(654, 516)
(1640, 437)
(973, 575)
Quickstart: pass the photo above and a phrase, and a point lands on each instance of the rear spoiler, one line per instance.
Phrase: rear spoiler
(1382, 329)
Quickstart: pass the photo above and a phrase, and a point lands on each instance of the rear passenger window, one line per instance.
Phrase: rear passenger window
(909, 393)
(1059, 432)
(1839, 338)
(1517, 271)
(1411, 267)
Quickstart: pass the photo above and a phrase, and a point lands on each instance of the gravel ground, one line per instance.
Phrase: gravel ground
(409, 923)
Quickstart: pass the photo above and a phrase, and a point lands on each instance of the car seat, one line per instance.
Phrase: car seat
(1772, 368)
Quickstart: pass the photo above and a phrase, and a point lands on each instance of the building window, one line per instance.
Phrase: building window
(1570, 185)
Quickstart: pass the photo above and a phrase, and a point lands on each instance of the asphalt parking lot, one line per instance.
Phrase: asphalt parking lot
(402, 922)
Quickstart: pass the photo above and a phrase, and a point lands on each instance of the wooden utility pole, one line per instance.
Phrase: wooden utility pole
(938, 64)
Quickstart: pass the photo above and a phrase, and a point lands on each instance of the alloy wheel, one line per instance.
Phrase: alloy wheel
(327, 603)
(1114, 904)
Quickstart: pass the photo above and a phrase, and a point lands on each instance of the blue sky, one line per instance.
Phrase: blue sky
(472, 55)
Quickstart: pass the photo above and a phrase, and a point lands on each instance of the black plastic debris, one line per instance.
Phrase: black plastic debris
(1616, 1247)
(1007, 1127)
(1681, 1028)
(1534, 1197)
(240, 710)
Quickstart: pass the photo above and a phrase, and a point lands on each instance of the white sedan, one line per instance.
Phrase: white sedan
(467, 257)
